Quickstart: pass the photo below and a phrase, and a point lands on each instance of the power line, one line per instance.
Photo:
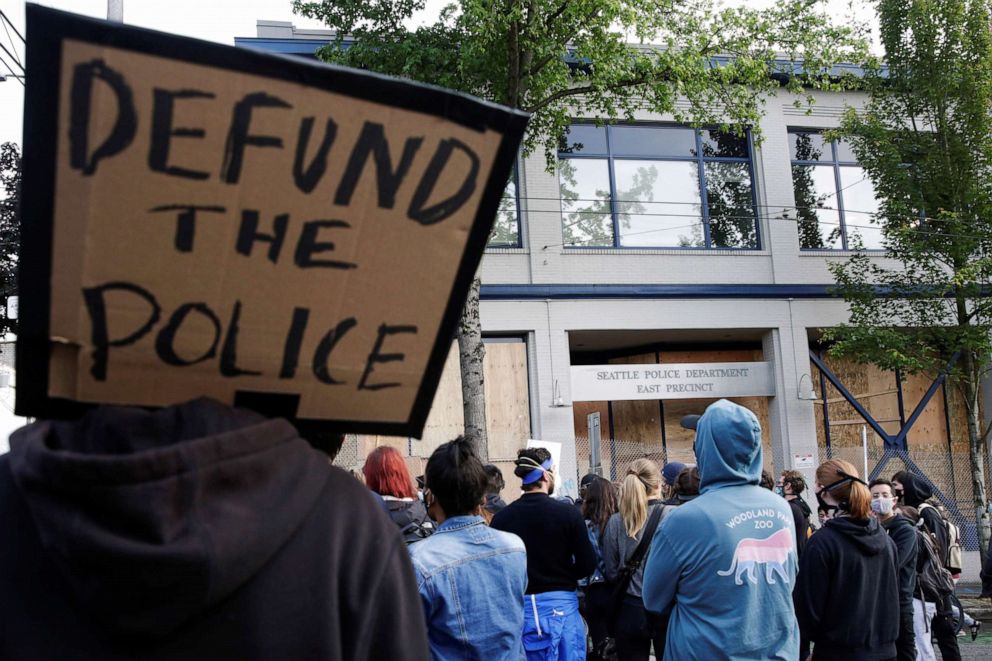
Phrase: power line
(13, 46)
(12, 26)
(9, 54)
(13, 75)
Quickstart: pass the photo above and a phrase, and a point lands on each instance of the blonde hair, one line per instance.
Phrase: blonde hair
(642, 478)
(855, 494)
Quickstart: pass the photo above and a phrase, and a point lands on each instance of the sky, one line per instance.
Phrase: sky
(213, 20)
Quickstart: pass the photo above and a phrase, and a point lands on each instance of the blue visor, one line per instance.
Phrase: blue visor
(536, 474)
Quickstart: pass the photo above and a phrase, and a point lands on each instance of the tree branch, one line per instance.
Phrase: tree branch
(550, 57)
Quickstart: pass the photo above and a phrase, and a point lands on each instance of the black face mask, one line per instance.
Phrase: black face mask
(824, 505)
(844, 505)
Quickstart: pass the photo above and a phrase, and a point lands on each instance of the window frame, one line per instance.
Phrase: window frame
(699, 159)
(836, 163)
(515, 177)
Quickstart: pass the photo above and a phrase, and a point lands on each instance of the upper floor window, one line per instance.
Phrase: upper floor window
(835, 200)
(506, 228)
(634, 186)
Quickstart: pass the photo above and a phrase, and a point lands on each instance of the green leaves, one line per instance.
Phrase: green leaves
(560, 59)
(925, 140)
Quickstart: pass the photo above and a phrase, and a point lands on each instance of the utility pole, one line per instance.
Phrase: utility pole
(115, 11)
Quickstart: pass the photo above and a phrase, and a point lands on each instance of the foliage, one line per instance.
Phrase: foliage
(925, 140)
(10, 231)
(560, 59)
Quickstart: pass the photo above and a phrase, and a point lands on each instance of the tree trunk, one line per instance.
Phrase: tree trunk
(471, 356)
(976, 451)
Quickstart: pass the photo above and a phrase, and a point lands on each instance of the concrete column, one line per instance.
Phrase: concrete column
(791, 419)
(553, 397)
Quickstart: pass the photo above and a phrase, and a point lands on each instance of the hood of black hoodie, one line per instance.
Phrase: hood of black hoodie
(915, 490)
(867, 536)
(153, 517)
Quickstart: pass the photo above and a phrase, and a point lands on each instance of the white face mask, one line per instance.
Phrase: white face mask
(882, 506)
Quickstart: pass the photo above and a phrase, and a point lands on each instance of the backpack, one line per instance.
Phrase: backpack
(416, 531)
(953, 560)
(933, 579)
(412, 528)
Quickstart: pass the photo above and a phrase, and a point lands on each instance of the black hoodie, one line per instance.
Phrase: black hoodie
(195, 532)
(915, 491)
(847, 592)
(902, 531)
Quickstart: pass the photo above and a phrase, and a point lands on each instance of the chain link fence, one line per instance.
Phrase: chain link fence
(616, 455)
(949, 475)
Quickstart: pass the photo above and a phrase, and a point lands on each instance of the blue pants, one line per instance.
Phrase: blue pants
(553, 628)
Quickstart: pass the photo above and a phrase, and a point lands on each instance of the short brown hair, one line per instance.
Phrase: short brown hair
(795, 480)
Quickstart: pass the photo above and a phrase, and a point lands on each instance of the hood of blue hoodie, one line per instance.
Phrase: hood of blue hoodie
(728, 447)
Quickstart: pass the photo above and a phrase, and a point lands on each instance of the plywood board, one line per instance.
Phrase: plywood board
(507, 405)
(507, 398)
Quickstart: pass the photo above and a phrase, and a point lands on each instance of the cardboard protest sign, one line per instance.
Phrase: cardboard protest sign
(201, 220)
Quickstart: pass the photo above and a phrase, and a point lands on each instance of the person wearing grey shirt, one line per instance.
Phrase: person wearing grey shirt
(640, 494)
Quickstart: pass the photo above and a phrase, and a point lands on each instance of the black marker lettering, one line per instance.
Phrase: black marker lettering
(376, 357)
(238, 137)
(185, 222)
(372, 141)
(163, 131)
(291, 352)
(248, 234)
(166, 338)
(96, 305)
(81, 98)
(306, 178)
(229, 352)
(308, 245)
(326, 346)
(444, 208)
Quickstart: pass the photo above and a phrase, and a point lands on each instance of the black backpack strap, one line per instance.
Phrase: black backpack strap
(642, 547)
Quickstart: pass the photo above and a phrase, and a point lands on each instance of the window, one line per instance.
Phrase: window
(506, 228)
(835, 200)
(637, 186)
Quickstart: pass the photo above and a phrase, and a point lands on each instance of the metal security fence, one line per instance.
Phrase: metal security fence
(948, 473)
(616, 455)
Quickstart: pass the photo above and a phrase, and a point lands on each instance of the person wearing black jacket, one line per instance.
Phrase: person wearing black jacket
(559, 553)
(902, 531)
(847, 590)
(916, 491)
(197, 531)
(790, 486)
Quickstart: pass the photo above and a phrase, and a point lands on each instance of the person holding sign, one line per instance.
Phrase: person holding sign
(196, 531)
(558, 555)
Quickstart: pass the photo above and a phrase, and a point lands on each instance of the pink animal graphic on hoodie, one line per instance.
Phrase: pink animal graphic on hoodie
(773, 552)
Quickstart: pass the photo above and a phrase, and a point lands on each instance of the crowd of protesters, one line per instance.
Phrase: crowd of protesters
(216, 533)
(686, 562)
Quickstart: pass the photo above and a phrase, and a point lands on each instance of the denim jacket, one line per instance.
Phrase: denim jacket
(472, 580)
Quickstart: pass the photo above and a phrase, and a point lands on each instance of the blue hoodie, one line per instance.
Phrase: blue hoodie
(726, 559)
